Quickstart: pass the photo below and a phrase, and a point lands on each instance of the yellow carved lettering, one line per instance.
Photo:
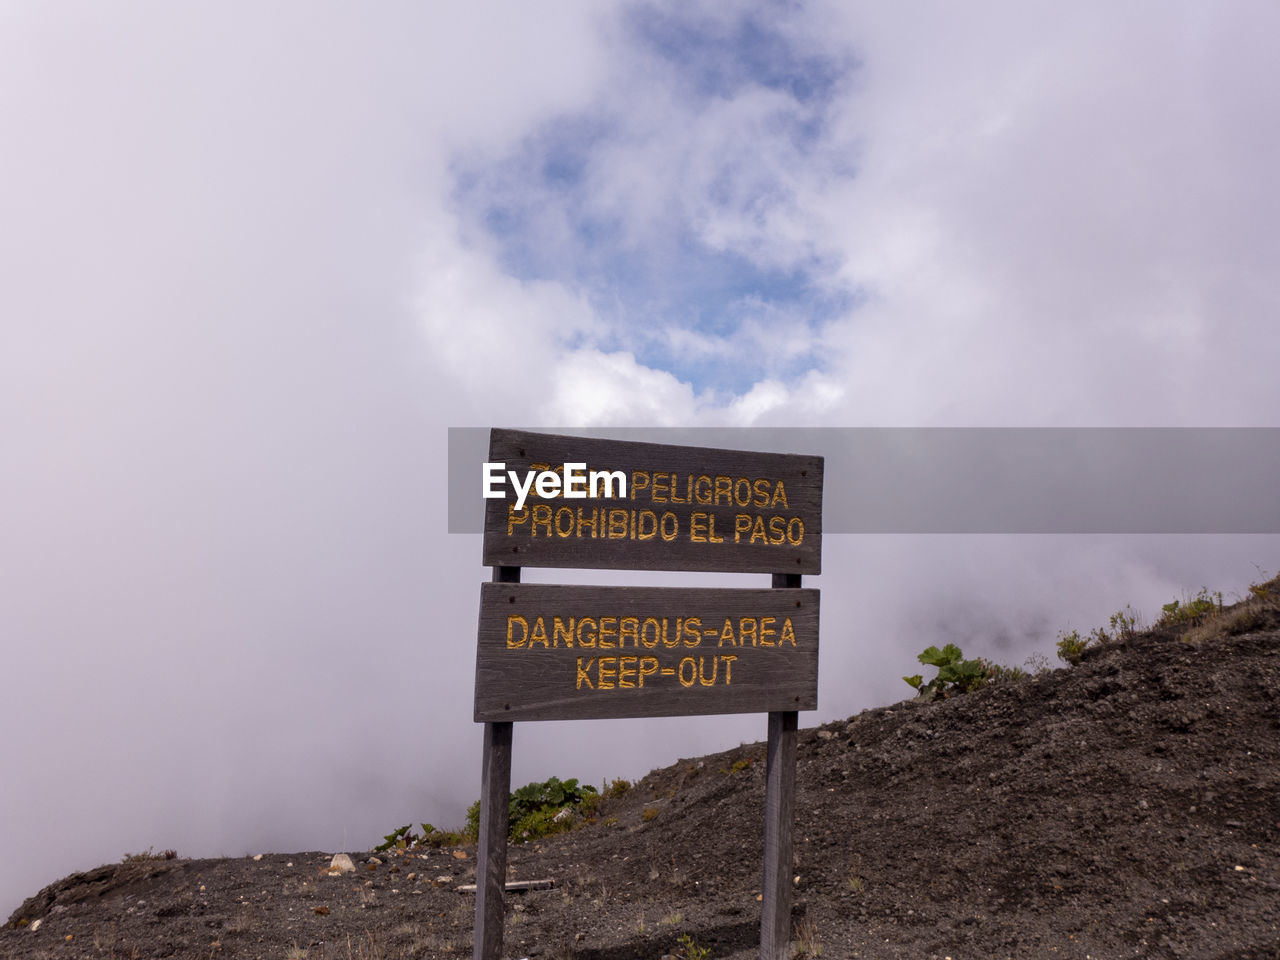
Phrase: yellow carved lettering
(608, 630)
(693, 631)
(584, 674)
(777, 530)
(560, 632)
(512, 643)
(539, 635)
(729, 660)
(629, 627)
(617, 524)
(605, 676)
(658, 489)
(669, 530)
(652, 531)
(590, 639)
(711, 530)
(674, 639)
(639, 481)
(766, 631)
(516, 517)
(648, 667)
(761, 498)
(541, 518)
(726, 634)
(780, 496)
(565, 514)
(698, 527)
(626, 671)
(693, 672)
(658, 630)
(747, 628)
(584, 522)
(788, 633)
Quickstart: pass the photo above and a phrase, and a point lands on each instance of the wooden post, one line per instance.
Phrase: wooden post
(779, 818)
(495, 796)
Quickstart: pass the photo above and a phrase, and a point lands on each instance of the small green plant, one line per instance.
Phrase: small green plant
(1264, 590)
(1126, 623)
(690, 950)
(738, 766)
(807, 943)
(1190, 609)
(531, 813)
(403, 838)
(1071, 646)
(538, 809)
(955, 673)
(648, 814)
(618, 787)
(999, 673)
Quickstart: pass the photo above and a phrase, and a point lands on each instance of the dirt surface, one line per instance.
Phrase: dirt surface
(1125, 807)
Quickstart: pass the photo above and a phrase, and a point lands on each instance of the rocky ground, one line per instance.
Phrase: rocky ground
(1125, 807)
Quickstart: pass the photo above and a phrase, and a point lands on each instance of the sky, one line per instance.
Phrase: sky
(256, 260)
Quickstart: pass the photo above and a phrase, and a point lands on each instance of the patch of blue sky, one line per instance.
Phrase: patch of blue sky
(749, 327)
(676, 302)
(670, 282)
(711, 317)
(720, 57)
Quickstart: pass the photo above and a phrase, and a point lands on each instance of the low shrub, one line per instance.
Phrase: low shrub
(1190, 609)
(955, 673)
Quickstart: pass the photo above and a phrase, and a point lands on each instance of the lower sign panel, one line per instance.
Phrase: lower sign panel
(552, 652)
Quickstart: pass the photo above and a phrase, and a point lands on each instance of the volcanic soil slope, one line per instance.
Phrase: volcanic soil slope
(1125, 807)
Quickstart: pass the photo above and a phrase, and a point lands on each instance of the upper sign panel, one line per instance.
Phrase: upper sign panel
(651, 506)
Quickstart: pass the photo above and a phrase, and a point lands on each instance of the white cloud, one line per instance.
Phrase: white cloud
(246, 287)
(587, 388)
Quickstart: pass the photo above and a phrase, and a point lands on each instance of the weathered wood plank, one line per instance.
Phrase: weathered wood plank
(495, 796)
(686, 508)
(779, 818)
(558, 652)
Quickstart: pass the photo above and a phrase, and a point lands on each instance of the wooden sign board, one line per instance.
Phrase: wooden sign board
(554, 652)
(686, 508)
(559, 652)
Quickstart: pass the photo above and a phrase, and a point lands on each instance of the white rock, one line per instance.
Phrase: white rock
(341, 863)
(257, 856)
(34, 926)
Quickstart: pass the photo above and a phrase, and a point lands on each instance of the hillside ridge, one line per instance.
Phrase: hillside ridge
(1126, 806)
